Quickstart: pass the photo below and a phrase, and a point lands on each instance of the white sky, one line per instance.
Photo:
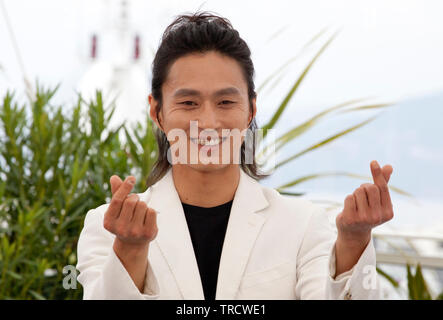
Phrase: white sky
(387, 49)
(390, 49)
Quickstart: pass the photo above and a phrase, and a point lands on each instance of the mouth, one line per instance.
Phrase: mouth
(208, 143)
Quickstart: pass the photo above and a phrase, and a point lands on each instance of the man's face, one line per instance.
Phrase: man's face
(208, 88)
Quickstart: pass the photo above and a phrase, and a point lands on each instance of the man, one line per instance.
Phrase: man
(205, 228)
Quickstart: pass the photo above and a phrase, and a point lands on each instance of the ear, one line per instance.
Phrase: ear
(153, 111)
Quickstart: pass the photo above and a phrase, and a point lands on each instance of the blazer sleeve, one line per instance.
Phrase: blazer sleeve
(316, 265)
(102, 274)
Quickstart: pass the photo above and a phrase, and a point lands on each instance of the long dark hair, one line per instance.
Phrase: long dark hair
(200, 32)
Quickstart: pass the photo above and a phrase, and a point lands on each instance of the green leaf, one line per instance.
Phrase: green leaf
(394, 282)
(14, 275)
(132, 148)
(304, 127)
(296, 194)
(293, 89)
(416, 284)
(36, 295)
(335, 173)
(421, 287)
(284, 66)
(368, 107)
(324, 142)
(411, 284)
(276, 33)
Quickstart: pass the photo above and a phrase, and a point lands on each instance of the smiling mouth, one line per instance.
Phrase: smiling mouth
(205, 142)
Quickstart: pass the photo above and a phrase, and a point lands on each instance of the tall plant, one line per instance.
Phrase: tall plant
(54, 167)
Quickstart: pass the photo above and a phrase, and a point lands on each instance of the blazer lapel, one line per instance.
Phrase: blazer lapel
(173, 237)
(175, 242)
(245, 223)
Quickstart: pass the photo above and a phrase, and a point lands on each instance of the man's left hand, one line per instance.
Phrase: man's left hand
(369, 206)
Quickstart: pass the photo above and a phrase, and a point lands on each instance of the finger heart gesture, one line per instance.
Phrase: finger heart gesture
(369, 206)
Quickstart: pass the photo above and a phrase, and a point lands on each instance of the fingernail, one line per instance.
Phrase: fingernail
(131, 181)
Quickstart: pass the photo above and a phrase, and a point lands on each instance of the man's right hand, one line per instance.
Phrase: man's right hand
(134, 225)
(130, 219)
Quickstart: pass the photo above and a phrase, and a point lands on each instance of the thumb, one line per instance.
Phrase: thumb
(116, 182)
(387, 171)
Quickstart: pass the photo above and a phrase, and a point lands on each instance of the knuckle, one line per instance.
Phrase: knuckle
(151, 233)
(132, 199)
(117, 201)
(129, 203)
(339, 218)
(375, 219)
(121, 230)
(142, 205)
(107, 224)
(390, 215)
(348, 220)
(149, 221)
(133, 233)
(377, 170)
(147, 232)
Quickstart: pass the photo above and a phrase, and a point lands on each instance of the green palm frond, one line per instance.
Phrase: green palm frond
(310, 123)
(391, 280)
(309, 177)
(281, 108)
(417, 287)
(324, 142)
(285, 65)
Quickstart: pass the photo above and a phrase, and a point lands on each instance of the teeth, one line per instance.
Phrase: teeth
(205, 142)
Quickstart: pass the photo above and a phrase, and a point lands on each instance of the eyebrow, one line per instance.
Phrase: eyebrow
(185, 92)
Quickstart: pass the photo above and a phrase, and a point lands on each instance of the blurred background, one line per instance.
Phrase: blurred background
(378, 63)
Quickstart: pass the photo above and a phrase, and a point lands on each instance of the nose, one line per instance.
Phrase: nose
(208, 118)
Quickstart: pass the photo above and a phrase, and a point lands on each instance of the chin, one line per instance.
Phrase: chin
(210, 167)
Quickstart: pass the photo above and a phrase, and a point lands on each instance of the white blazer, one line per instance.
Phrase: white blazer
(275, 247)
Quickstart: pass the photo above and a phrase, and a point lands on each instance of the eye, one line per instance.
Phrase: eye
(188, 103)
(226, 102)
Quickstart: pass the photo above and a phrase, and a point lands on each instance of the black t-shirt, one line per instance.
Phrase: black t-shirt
(207, 227)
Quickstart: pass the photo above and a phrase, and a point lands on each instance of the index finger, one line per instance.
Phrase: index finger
(116, 182)
(120, 195)
(380, 181)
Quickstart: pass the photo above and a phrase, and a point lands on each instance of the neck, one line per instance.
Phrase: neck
(205, 188)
